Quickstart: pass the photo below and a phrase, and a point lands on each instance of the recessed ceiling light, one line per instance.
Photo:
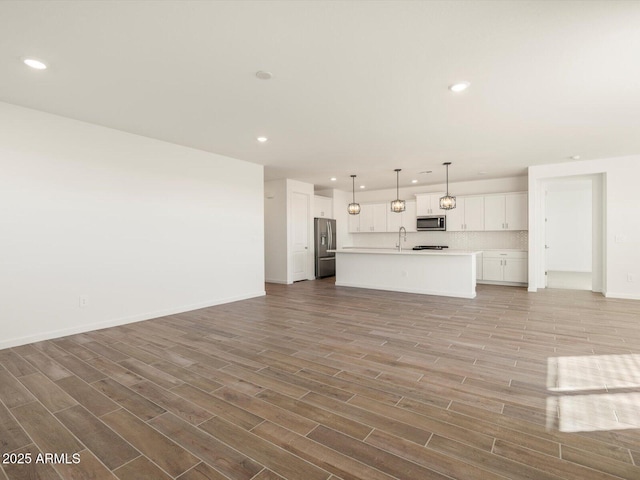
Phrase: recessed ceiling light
(459, 87)
(414, 181)
(262, 75)
(333, 179)
(262, 139)
(361, 186)
(575, 157)
(482, 173)
(33, 63)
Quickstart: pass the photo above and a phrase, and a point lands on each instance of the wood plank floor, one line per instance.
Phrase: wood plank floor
(319, 382)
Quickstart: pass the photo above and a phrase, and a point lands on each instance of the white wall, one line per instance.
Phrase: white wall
(476, 187)
(139, 227)
(621, 224)
(275, 234)
(278, 230)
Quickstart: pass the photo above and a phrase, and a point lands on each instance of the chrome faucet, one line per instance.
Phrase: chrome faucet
(400, 232)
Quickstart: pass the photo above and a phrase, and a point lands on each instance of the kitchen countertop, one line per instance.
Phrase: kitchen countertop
(407, 251)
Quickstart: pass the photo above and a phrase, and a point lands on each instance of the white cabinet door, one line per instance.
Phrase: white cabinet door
(516, 211)
(373, 217)
(366, 218)
(505, 212)
(322, 207)
(406, 219)
(505, 266)
(380, 217)
(467, 216)
(479, 266)
(515, 270)
(455, 217)
(492, 269)
(494, 207)
(474, 214)
(423, 205)
(429, 204)
(409, 217)
(394, 221)
(354, 223)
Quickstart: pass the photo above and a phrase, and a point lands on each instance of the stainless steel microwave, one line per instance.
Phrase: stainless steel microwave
(432, 223)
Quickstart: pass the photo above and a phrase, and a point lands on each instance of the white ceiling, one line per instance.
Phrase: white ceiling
(358, 86)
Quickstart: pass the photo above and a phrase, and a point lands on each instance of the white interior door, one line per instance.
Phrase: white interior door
(300, 235)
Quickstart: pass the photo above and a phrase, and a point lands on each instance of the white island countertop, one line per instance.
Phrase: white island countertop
(405, 251)
(445, 272)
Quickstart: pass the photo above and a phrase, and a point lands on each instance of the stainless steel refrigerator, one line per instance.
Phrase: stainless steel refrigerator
(325, 239)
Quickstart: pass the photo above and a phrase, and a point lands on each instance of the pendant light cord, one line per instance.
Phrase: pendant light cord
(353, 187)
(447, 180)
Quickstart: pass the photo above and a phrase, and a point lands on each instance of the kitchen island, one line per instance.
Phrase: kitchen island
(450, 273)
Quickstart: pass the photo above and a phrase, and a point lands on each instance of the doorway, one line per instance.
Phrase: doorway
(573, 229)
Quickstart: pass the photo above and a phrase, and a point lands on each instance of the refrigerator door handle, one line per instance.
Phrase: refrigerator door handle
(330, 235)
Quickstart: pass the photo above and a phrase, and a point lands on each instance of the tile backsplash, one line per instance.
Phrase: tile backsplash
(516, 240)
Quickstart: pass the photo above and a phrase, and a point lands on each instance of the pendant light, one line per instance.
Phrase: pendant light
(354, 208)
(447, 202)
(397, 205)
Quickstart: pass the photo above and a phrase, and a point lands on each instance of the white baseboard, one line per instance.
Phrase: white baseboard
(625, 296)
(115, 322)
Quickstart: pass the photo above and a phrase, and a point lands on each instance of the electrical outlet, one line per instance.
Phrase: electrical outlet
(83, 301)
(631, 277)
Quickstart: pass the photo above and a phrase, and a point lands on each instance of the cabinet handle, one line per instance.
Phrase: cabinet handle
(507, 224)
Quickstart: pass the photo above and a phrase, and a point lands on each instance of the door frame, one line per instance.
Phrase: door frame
(598, 244)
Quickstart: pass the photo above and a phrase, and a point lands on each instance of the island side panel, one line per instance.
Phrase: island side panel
(447, 275)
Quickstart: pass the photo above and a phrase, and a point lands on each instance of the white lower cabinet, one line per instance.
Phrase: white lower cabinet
(507, 266)
(479, 266)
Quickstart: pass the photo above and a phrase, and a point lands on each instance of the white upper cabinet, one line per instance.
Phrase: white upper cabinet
(474, 213)
(373, 217)
(322, 207)
(406, 219)
(516, 212)
(429, 204)
(353, 223)
(468, 215)
(505, 211)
